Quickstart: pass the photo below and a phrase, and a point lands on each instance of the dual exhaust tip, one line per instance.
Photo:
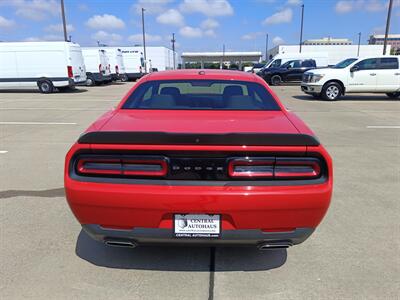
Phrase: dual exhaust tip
(132, 244)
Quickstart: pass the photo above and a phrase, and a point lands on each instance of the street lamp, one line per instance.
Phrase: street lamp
(387, 26)
(301, 26)
(144, 42)
(359, 42)
(63, 21)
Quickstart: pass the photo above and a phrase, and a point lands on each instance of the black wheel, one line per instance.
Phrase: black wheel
(124, 78)
(276, 80)
(393, 95)
(332, 91)
(90, 81)
(45, 86)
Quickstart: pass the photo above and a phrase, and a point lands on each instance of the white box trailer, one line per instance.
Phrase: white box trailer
(133, 62)
(97, 65)
(159, 58)
(335, 53)
(46, 65)
(321, 59)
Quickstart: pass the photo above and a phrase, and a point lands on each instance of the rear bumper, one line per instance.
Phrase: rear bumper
(149, 236)
(311, 89)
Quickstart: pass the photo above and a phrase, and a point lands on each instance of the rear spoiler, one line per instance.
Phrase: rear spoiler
(227, 139)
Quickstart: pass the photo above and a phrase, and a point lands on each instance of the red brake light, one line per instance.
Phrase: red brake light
(116, 69)
(70, 73)
(297, 168)
(156, 167)
(99, 68)
(252, 167)
(275, 167)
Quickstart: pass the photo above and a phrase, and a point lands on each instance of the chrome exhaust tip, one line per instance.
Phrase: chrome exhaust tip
(120, 243)
(274, 246)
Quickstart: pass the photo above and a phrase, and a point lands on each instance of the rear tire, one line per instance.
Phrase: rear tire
(90, 81)
(332, 91)
(276, 80)
(124, 78)
(45, 86)
(393, 95)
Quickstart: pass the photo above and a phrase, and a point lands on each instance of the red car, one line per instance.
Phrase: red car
(199, 157)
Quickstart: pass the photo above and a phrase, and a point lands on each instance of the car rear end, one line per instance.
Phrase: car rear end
(236, 177)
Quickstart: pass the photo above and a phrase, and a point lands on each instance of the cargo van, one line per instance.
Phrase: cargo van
(116, 61)
(134, 62)
(320, 58)
(44, 65)
(98, 70)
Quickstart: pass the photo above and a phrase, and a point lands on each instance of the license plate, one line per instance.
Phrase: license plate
(197, 226)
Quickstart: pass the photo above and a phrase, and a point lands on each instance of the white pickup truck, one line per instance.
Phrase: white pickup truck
(362, 75)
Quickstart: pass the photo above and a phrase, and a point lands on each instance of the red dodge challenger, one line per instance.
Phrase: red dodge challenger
(199, 157)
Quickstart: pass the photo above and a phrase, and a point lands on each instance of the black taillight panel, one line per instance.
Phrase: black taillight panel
(212, 167)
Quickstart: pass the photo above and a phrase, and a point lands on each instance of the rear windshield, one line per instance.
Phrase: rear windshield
(201, 95)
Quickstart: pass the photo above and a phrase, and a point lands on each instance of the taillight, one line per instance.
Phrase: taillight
(99, 68)
(252, 167)
(116, 70)
(124, 166)
(275, 168)
(287, 168)
(70, 73)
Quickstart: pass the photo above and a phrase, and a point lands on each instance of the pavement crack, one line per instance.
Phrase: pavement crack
(51, 193)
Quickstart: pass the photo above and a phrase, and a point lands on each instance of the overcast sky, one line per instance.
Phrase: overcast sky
(199, 25)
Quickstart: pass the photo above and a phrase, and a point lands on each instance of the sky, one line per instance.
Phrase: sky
(199, 25)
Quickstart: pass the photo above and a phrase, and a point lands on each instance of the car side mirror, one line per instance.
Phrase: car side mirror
(354, 69)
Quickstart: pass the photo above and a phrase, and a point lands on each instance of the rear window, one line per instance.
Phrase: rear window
(389, 63)
(201, 95)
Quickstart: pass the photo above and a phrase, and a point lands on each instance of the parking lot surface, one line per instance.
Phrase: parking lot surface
(354, 254)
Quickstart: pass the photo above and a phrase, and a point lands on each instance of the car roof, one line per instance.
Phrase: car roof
(378, 56)
(205, 74)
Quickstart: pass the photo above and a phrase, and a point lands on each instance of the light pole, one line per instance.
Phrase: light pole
(64, 22)
(387, 26)
(173, 48)
(266, 48)
(359, 42)
(301, 26)
(144, 42)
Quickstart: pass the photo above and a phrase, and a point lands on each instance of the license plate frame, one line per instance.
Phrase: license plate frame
(204, 226)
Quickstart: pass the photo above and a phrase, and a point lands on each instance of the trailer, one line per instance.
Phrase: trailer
(335, 53)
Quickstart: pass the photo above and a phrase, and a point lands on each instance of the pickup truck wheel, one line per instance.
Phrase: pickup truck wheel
(45, 86)
(332, 91)
(90, 81)
(393, 95)
(276, 80)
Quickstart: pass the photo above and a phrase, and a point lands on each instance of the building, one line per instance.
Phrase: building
(335, 53)
(328, 41)
(393, 40)
(222, 58)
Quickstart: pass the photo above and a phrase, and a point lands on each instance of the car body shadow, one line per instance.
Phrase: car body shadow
(178, 258)
(353, 97)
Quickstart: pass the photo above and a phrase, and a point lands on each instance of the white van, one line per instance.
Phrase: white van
(134, 62)
(46, 65)
(321, 59)
(116, 61)
(97, 66)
